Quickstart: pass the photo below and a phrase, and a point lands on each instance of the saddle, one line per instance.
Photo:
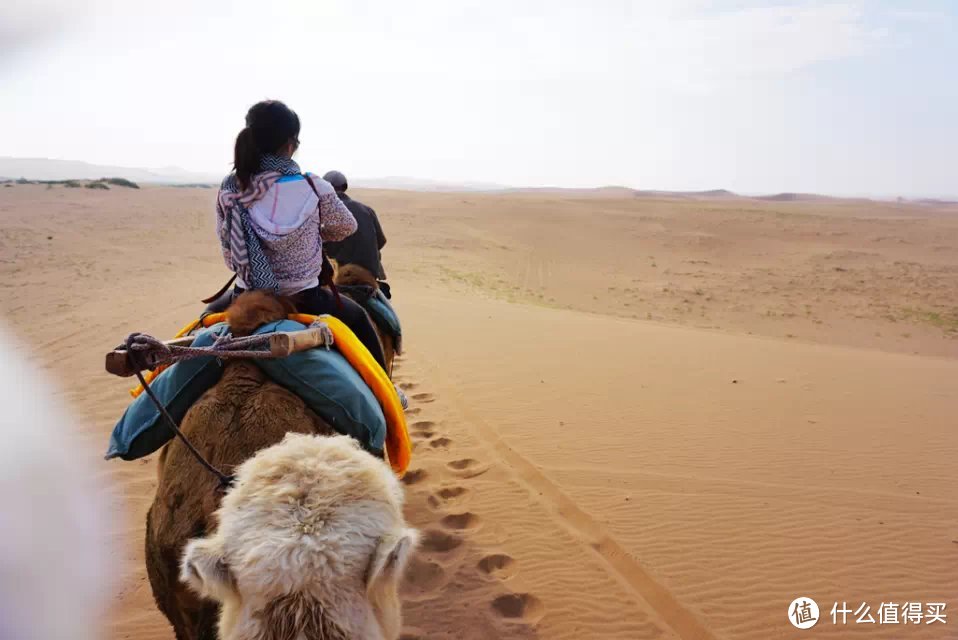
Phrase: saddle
(377, 305)
(344, 386)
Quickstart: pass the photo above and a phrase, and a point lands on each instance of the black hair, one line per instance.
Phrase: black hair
(270, 125)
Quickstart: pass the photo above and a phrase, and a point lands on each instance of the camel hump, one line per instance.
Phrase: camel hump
(253, 309)
(355, 275)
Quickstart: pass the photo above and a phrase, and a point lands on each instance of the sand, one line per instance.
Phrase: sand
(633, 417)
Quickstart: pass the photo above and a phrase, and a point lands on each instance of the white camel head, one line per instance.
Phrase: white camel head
(311, 543)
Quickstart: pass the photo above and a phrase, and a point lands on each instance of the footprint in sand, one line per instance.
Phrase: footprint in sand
(498, 565)
(423, 576)
(424, 428)
(461, 521)
(440, 443)
(436, 541)
(518, 607)
(467, 467)
(447, 495)
(423, 397)
(413, 411)
(408, 386)
(415, 476)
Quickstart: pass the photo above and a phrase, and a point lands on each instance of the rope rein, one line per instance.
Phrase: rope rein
(146, 352)
(225, 480)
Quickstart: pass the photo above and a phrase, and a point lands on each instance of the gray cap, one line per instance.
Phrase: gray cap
(337, 179)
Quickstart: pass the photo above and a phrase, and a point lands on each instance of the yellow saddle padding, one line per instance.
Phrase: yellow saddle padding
(398, 446)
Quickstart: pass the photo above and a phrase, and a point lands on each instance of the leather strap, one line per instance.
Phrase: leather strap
(216, 296)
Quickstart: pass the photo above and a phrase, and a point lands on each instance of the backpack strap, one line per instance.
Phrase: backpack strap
(326, 273)
(216, 296)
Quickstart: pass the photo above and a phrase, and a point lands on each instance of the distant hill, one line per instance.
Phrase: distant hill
(795, 197)
(715, 193)
(47, 169)
(418, 184)
(711, 194)
(615, 191)
(606, 192)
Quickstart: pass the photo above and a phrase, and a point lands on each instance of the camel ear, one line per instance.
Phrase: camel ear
(390, 558)
(205, 570)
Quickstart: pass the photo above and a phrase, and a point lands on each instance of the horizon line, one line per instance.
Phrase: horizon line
(481, 186)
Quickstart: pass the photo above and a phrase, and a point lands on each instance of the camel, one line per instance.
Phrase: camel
(351, 275)
(346, 276)
(240, 569)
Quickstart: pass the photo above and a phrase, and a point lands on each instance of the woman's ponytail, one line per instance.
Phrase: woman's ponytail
(271, 127)
(245, 157)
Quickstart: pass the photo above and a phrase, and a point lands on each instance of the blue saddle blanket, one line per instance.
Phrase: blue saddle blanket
(377, 305)
(325, 381)
(383, 314)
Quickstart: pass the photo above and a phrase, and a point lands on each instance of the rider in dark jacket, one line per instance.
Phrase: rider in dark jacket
(363, 247)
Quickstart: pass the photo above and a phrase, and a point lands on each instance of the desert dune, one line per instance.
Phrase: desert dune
(633, 417)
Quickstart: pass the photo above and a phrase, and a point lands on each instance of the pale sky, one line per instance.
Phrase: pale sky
(857, 97)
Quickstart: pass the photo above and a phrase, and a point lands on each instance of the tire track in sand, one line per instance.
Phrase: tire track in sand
(613, 556)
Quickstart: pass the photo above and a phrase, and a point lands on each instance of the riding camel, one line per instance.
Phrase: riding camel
(309, 541)
(353, 275)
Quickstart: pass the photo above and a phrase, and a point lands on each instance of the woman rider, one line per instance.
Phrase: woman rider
(272, 221)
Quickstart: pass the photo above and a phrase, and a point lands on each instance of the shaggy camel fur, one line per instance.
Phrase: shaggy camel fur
(355, 275)
(242, 414)
(311, 544)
